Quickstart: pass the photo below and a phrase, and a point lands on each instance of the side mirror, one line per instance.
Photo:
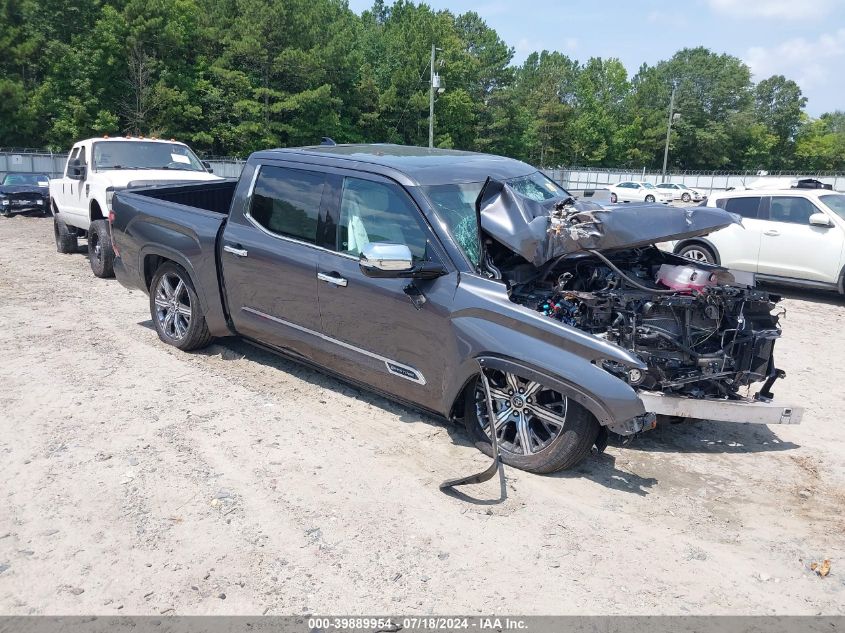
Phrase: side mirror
(820, 219)
(395, 261)
(76, 169)
(207, 166)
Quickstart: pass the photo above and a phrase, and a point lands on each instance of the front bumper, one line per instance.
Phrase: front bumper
(746, 411)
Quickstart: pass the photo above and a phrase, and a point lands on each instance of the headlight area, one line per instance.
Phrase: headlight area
(634, 376)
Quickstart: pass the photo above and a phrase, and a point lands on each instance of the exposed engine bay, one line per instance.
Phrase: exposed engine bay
(703, 331)
(699, 335)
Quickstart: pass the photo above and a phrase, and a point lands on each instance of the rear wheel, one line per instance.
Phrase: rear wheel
(698, 253)
(66, 242)
(537, 428)
(649, 198)
(175, 309)
(100, 252)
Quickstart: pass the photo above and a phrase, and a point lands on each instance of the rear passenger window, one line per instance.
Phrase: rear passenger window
(791, 209)
(287, 201)
(746, 207)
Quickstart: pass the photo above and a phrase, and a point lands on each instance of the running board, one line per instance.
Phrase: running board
(740, 411)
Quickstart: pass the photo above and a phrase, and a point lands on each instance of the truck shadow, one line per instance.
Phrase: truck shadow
(686, 437)
(601, 468)
(828, 297)
(701, 436)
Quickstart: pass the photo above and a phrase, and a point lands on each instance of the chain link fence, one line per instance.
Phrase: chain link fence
(581, 178)
(16, 160)
(573, 178)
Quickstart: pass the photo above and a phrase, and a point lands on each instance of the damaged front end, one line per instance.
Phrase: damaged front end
(703, 332)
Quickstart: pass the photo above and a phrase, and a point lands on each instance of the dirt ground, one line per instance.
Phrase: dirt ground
(137, 479)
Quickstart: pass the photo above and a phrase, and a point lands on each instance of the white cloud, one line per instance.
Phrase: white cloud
(811, 63)
(668, 19)
(789, 9)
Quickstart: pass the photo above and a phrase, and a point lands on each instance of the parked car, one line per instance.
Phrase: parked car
(81, 199)
(24, 192)
(681, 192)
(788, 236)
(368, 262)
(631, 191)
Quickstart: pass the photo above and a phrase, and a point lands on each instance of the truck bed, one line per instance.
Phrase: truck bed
(176, 222)
(215, 196)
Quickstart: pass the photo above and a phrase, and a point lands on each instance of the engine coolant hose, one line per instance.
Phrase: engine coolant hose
(634, 283)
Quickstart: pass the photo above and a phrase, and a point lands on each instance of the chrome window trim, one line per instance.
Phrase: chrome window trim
(420, 379)
(279, 236)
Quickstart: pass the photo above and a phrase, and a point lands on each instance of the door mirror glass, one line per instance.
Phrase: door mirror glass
(385, 260)
(819, 219)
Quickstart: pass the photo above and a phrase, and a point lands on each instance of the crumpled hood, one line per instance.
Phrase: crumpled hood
(7, 189)
(540, 232)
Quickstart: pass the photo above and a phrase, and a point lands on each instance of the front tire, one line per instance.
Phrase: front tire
(686, 197)
(614, 198)
(66, 242)
(175, 309)
(698, 253)
(100, 251)
(538, 429)
(649, 198)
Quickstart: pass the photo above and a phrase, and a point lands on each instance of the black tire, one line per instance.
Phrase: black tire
(649, 198)
(698, 253)
(66, 242)
(613, 198)
(186, 334)
(570, 446)
(100, 251)
(686, 197)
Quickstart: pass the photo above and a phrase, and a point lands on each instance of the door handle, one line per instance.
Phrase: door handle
(333, 278)
(771, 232)
(240, 252)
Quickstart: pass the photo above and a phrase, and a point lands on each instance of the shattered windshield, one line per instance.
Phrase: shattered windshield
(455, 204)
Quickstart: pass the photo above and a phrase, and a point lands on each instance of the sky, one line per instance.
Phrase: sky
(801, 39)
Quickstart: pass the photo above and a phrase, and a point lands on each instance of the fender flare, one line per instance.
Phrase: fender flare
(178, 258)
(570, 390)
(703, 242)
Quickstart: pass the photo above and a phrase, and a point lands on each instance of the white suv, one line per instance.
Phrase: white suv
(81, 199)
(631, 191)
(788, 236)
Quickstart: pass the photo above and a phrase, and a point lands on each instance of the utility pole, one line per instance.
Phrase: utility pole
(431, 101)
(668, 129)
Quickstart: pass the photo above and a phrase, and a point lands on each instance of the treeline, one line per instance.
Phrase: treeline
(232, 76)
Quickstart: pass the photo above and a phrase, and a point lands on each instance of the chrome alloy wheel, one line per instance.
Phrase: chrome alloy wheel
(528, 416)
(698, 255)
(173, 306)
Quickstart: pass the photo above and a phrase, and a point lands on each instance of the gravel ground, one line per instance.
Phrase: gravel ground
(137, 479)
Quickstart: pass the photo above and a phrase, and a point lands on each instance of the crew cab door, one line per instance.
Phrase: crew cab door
(376, 333)
(792, 247)
(269, 259)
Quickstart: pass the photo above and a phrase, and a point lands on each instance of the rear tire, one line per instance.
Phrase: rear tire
(100, 252)
(649, 198)
(175, 309)
(698, 253)
(554, 445)
(66, 242)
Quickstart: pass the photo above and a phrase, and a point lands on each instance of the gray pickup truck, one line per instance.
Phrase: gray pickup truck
(399, 269)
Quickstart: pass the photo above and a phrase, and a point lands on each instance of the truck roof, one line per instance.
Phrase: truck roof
(106, 139)
(420, 165)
